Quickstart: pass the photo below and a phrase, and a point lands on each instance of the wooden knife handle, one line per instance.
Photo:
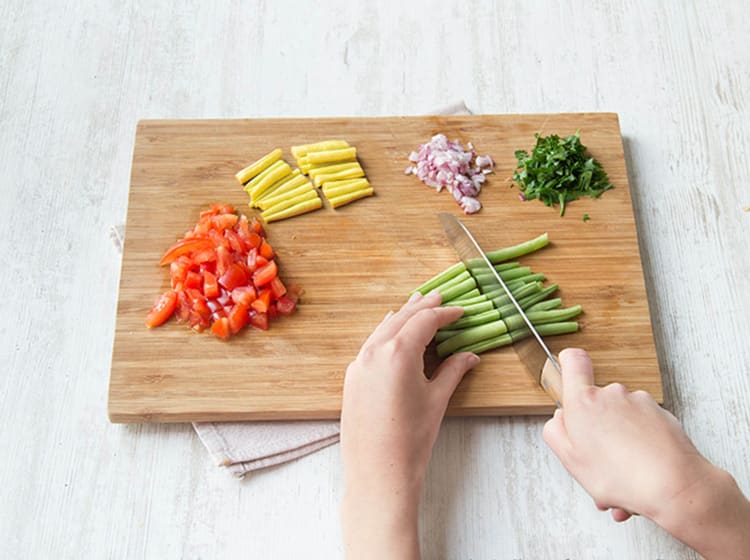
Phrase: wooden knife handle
(551, 382)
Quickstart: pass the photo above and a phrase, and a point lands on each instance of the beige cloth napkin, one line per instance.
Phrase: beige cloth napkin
(243, 447)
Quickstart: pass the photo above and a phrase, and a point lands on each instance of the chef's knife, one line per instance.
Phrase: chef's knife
(532, 351)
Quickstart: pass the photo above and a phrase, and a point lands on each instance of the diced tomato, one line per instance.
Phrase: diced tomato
(178, 270)
(265, 274)
(210, 285)
(262, 302)
(244, 295)
(277, 287)
(162, 309)
(294, 292)
(257, 227)
(259, 320)
(265, 250)
(252, 257)
(193, 280)
(224, 221)
(183, 247)
(285, 305)
(182, 310)
(272, 312)
(238, 317)
(223, 260)
(223, 275)
(221, 328)
(204, 255)
(235, 243)
(234, 276)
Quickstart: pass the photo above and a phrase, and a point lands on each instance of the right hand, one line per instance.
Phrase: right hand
(627, 452)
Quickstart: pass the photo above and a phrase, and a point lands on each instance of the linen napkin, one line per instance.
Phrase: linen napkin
(243, 447)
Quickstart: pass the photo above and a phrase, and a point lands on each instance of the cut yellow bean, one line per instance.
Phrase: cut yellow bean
(269, 180)
(265, 173)
(287, 202)
(346, 174)
(327, 169)
(299, 151)
(352, 186)
(296, 210)
(272, 201)
(351, 197)
(345, 182)
(255, 168)
(332, 156)
(289, 182)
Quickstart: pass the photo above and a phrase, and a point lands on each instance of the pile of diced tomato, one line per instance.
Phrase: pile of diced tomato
(224, 276)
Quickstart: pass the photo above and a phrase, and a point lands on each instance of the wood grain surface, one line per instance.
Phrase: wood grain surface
(359, 261)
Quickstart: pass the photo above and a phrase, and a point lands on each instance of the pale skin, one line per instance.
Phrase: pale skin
(627, 452)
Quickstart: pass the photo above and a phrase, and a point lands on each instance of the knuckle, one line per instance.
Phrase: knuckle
(616, 389)
(641, 395)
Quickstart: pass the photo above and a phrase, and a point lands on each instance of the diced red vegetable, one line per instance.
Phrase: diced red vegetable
(224, 276)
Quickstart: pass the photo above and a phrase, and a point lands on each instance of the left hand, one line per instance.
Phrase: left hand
(391, 414)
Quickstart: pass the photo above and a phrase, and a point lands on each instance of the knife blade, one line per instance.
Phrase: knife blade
(532, 351)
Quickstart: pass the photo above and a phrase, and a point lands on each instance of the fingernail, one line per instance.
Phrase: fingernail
(473, 360)
(433, 293)
(416, 296)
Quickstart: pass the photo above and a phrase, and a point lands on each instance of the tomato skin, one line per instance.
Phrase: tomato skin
(266, 251)
(183, 247)
(162, 309)
(193, 280)
(259, 320)
(235, 243)
(210, 285)
(257, 227)
(238, 317)
(294, 292)
(262, 302)
(223, 221)
(265, 274)
(221, 328)
(204, 256)
(277, 287)
(223, 260)
(234, 277)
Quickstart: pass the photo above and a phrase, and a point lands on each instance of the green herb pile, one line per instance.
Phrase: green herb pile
(558, 171)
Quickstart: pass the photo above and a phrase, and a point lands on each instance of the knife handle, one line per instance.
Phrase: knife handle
(551, 382)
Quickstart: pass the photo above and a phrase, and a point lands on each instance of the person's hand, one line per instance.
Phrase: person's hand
(632, 456)
(390, 418)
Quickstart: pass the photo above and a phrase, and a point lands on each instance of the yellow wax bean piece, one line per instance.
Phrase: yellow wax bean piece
(296, 210)
(290, 182)
(265, 173)
(345, 182)
(268, 181)
(351, 197)
(277, 184)
(327, 169)
(346, 174)
(267, 203)
(286, 203)
(255, 168)
(331, 156)
(299, 151)
(355, 185)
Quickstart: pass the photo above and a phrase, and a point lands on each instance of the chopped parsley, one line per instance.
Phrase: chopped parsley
(558, 171)
(586, 218)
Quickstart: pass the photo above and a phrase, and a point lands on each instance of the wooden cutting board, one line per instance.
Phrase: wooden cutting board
(360, 261)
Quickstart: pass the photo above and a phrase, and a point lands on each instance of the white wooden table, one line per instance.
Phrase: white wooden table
(75, 77)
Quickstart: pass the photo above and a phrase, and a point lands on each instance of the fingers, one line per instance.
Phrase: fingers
(577, 371)
(421, 326)
(450, 373)
(556, 437)
(620, 515)
(387, 329)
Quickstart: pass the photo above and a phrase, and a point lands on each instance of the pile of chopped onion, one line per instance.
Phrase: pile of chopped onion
(443, 164)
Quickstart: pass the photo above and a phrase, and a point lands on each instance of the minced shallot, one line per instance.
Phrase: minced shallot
(444, 164)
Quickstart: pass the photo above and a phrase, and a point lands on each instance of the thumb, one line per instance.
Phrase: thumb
(450, 373)
(577, 371)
